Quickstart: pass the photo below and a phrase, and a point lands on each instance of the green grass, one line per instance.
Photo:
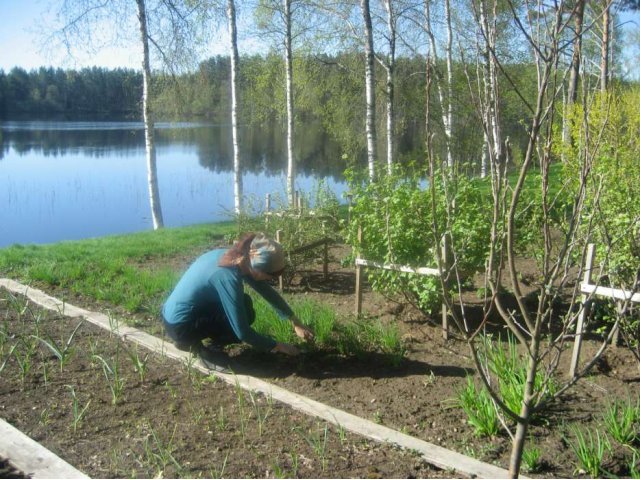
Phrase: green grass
(113, 269)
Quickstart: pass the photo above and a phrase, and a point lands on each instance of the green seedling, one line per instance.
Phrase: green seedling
(590, 450)
(63, 352)
(219, 473)
(241, 410)
(221, 419)
(139, 363)
(160, 453)
(112, 375)
(24, 360)
(620, 419)
(78, 410)
(261, 413)
(6, 360)
(317, 440)
(45, 417)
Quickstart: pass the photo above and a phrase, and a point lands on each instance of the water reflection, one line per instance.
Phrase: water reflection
(263, 149)
(71, 180)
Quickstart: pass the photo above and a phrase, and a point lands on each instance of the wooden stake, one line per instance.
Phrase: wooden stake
(577, 344)
(358, 308)
(445, 265)
(280, 278)
(325, 252)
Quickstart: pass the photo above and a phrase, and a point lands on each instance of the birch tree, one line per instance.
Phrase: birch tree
(91, 24)
(233, 52)
(370, 88)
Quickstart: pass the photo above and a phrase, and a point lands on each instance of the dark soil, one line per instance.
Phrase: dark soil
(199, 421)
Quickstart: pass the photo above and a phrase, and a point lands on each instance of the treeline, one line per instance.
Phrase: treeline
(328, 89)
(54, 91)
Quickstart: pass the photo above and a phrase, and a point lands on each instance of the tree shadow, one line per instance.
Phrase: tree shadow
(326, 365)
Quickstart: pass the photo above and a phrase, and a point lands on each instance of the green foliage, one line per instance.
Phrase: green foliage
(397, 221)
(590, 450)
(509, 368)
(613, 197)
(622, 421)
(531, 457)
(318, 218)
(479, 408)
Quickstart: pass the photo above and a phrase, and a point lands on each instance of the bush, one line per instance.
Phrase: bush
(395, 214)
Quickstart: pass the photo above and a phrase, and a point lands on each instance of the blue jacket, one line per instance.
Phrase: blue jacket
(208, 290)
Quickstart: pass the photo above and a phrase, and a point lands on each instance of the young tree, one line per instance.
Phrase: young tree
(233, 51)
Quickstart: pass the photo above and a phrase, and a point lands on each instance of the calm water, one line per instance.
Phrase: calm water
(74, 180)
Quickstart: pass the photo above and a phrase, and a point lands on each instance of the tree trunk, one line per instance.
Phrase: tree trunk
(288, 58)
(448, 126)
(233, 47)
(370, 88)
(152, 174)
(576, 58)
(606, 41)
(390, 68)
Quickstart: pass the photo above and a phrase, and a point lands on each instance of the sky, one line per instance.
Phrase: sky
(20, 43)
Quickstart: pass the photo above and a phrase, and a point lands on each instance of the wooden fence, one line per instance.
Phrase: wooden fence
(362, 263)
(589, 291)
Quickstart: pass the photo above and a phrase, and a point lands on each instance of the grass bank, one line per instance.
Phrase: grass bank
(134, 271)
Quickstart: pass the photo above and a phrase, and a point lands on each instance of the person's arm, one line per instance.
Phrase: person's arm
(281, 307)
(231, 294)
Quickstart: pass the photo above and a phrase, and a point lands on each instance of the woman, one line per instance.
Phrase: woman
(209, 300)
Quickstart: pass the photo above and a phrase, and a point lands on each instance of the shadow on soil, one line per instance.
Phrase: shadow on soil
(321, 365)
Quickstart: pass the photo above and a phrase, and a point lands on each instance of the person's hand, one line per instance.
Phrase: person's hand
(303, 332)
(287, 349)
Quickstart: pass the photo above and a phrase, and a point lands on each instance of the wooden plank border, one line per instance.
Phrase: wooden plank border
(433, 454)
(31, 458)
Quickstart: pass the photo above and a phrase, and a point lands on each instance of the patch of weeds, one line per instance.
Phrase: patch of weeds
(589, 450)
(531, 459)
(479, 408)
(622, 420)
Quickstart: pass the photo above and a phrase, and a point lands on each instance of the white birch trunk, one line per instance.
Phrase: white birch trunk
(606, 41)
(448, 126)
(233, 50)
(390, 68)
(288, 59)
(444, 102)
(152, 174)
(369, 88)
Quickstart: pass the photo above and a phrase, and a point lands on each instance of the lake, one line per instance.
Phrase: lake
(62, 180)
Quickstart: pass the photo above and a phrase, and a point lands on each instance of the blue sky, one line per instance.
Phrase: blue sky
(20, 44)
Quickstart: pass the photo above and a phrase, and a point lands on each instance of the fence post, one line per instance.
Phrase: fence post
(358, 308)
(267, 207)
(577, 344)
(444, 271)
(325, 252)
(280, 278)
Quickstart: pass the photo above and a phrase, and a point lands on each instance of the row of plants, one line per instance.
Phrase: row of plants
(78, 384)
(616, 439)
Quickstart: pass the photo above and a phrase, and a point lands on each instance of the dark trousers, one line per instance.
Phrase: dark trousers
(215, 327)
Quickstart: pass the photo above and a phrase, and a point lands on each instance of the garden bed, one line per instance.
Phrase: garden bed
(417, 397)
